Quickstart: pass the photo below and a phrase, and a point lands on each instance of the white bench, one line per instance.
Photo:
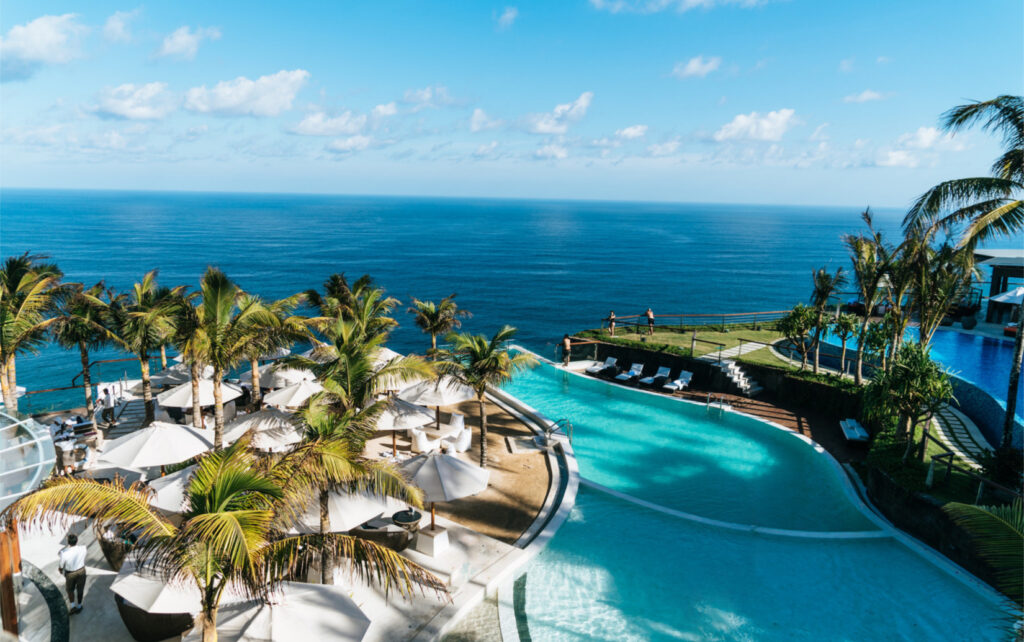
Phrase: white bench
(853, 431)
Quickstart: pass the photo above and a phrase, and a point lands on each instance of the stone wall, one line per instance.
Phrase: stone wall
(986, 411)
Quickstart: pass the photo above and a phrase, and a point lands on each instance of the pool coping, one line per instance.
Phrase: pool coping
(860, 502)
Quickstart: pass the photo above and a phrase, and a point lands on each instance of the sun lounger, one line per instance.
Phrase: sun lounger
(662, 374)
(681, 382)
(853, 430)
(601, 367)
(634, 372)
(423, 444)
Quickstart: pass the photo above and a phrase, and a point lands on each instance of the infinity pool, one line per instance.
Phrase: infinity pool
(617, 570)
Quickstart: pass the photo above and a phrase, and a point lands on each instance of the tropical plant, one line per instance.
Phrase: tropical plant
(942, 276)
(192, 344)
(843, 327)
(867, 253)
(278, 329)
(479, 363)
(985, 207)
(232, 532)
(328, 459)
(142, 319)
(437, 319)
(877, 340)
(897, 284)
(826, 286)
(998, 538)
(79, 323)
(362, 303)
(797, 326)
(913, 388)
(26, 285)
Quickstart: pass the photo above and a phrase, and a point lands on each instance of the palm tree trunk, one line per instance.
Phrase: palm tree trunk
(256, 394)
(817, 339)
(197, 409)
(1011, 393)
(433, 343)
(483, 433)
(208, 620)
(11, 398)
(842, 359)
(147, 390)
(83, 351)
(163, 357)
(859, 376)
(218, 409)
(326, 559)
(5, 387)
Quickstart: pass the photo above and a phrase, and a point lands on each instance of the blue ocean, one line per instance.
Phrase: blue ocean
(545, 267)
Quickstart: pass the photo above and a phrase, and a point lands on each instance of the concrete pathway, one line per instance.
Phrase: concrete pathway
(962, 436)
(733, 352)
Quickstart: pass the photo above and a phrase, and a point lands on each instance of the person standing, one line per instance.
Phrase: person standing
(566, 349)
(108, 408)
(71, 564)
(611, 323)
(650, 322)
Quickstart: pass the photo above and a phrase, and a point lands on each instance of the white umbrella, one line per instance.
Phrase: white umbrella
(271, 429)
(402, 415)
(169, 492)
(446, 391)
(317, 353)
(383, 356)
(159, 444)
(294, 395)
(275, 377)
(153, 594)
(299, 612)
(1013, 296)
(177, 374)
(345, 511)
(444, 478)
(277, 353)
(181, 396)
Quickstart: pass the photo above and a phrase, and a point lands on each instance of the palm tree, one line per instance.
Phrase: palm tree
(279, 328)
(797, 326)
(362, 302)
(26, 286)
(143, 318)
(987, 207)
(867, 254)
(479, 363)
(826, 286)
(226, 317)
(941, 276)
(999, 539)
(239, 508)
(843, 327)
(192, 344)
(79, 323)
(438, 319)
(327, 458)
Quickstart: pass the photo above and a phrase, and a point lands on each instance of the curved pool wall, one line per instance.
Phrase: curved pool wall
(986, 411)
(622, 569)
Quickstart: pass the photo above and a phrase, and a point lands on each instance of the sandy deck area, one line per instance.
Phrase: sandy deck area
(519, 482)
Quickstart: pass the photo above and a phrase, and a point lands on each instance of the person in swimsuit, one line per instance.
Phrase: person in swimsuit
(650, 322)
(611, 323)
(566, 349)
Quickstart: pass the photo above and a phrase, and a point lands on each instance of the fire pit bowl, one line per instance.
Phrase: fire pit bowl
(408, 519)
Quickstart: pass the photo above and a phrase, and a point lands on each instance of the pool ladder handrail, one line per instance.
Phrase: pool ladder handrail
(562, 424)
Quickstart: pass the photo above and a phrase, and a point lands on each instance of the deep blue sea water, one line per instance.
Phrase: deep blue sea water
(546, 267)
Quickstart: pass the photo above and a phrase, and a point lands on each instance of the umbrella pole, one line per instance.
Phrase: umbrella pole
(437, 410)
(431, 515)
(394, 444)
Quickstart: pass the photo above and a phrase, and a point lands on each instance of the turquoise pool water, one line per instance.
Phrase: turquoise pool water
(620, 571)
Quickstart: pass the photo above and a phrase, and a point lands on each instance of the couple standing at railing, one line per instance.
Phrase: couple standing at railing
(649, 314)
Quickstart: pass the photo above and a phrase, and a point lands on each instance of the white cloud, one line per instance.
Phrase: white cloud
(48, 40)
(116, 28)
(434, 96)
(865, 96)
(507, 18)
(480, 121)
(184, 43)
(846, 65)
(558, 120)
(632, 132)
(319, 124)
(136, 102)
(929, 138)
(553, 152)
(384, 110)
(654, 6)
(350, 144)
(882, 60)
(696, 67)
(265, 96)
(663, 149)
(819, 132)
(897, 158)
(486, 149)
(755, 126)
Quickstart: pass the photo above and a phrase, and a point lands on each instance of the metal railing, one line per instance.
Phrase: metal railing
(946, 458)
(26, 458)
(683, 320)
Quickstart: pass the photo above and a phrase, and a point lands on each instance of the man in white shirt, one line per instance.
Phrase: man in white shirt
(71, 563)
(108, 407)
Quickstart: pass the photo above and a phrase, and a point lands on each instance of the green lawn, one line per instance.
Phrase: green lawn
(730, 339)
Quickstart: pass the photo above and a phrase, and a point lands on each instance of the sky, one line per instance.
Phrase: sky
(731, 101)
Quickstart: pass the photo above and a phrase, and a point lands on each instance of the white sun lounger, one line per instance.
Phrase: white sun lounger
(853, 430)
(662, 373)
(681, 382)
(601, 367)
(634, 372)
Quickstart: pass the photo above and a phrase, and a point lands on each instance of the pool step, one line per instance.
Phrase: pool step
(747, 386)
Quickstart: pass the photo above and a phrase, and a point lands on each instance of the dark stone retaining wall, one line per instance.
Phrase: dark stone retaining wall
(59, 629)
(987, 412)
(921, 516)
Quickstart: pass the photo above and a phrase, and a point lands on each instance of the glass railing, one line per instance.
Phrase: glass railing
(26, 456)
